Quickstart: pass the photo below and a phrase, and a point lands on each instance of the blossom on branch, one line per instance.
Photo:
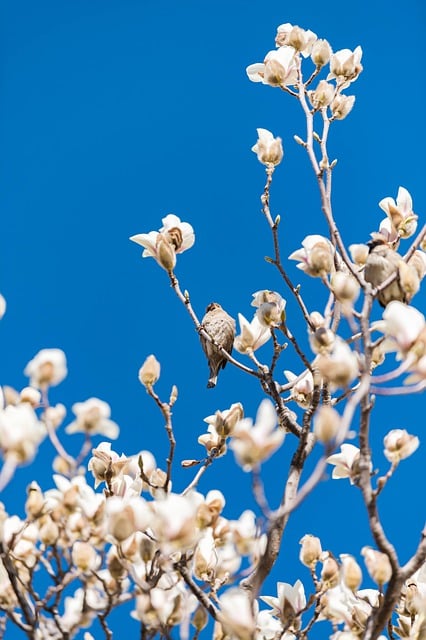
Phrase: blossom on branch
(252, 444)
(400, 213)
(47, 368)
(346, 463)
(92, 418)
(269, 150)
(174, 237)
(345, 66)
(279, 69)
(316, 256)
(270, 307)
(399, 444)
(253, 335)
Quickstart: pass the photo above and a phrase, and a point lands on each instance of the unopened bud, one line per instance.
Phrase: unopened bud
(321, 258)
(165, 253)
(84, 556)
(330, 573)
(269, 150)
(408, 279)
(342, 106)
(157, 481)
(322, 96)
(173, 395)
(412, 599)
(359, 253)
(321, 52)
(378, 565)
(351, 572)
(322, 340)
(317, 319)
(35, 501)
(49, 532)
(310, 551)
(345, 287)
(200, 618)
(115, 566)
(299, 140)
(149, 371)
(326, 424)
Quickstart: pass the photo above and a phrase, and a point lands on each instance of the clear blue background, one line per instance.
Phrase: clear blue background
(115, 113)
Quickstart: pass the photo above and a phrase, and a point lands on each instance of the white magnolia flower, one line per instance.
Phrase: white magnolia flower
(402, 324)
(269, 150)
(93, 419)
(345, 463)
(315, 257)
(20, 433)
(205, 556)
(253, 335)
(400, 213)
(125, 516)
(175, 521)
(359, 253)
(270, 307)
(236, 615)
(269, 628)
(289, 602)
(174, 237)
(303, 387)
(399, 444)
(345, 66)
(225, 421)
(252, 444)
(300, 39)
(342, 106)
(279, 68)
(340, 365)
(47, 368)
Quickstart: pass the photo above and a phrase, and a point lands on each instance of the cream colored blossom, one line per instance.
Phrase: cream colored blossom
(310, 551)
(316, 256)
(399, 444)
(3, 306)
(359, 253)
(225, 421)
(323, 95)
(345, 66)
(92, 417)
(342, 106)
(345, 463)
(326, 424)
(279, 69)
(290, 600)
(340, 365)
(321, 53)
(252, 444)
(20, 433)
(149, 371)
(302, 40)
(270, 307)
(253, 335)
(400, 213)
(174, 237)
(269, 150)
(47, 368)
(378, 565)
(302, 389)
(236, 615)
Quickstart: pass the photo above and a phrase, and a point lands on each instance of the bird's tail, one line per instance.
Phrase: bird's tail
(212, 381)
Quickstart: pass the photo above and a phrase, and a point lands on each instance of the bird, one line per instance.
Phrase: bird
(221, 327)
(382, 262)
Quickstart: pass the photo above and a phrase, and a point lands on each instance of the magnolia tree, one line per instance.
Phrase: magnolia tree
(112, 531)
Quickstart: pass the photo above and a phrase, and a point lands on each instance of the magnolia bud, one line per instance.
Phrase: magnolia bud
(84, 556)
(157, 481)
(408, 279)
(317, 319)
(115, 566)
(269, 150)
(351, 572)
(345, 287)
(149, 371)
(342, 106)
(310, 551)
(321, 52)
(165, 253)
(322, 340)
(326, 424)
(35, 501)
(359, 253)
(330, 573)
(200, 618)
(322, 96)
(378, 565)
(49, 532)
(321, 258)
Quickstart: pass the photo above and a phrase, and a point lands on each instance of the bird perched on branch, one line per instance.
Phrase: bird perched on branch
(382, 262)
(221, 327)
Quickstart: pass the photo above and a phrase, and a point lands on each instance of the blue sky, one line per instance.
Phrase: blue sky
(115, 113)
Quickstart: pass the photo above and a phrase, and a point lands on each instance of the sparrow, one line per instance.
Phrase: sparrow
(221, 327)
(382, 262)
